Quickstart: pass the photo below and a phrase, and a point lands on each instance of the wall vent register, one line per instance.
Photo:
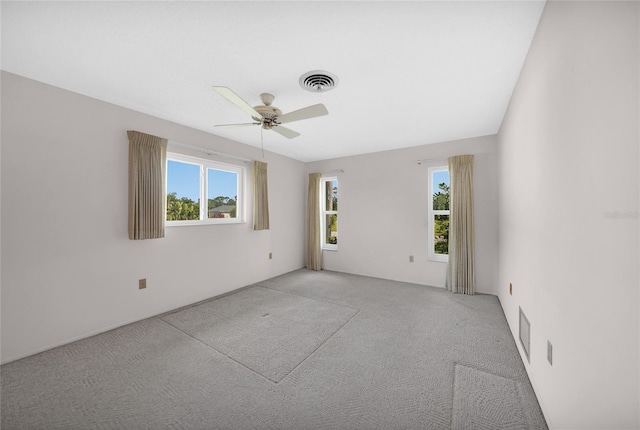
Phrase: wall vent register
(524, 334)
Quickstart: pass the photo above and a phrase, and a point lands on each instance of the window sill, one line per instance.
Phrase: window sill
(330, 249)
(199, 223)
(438, 259)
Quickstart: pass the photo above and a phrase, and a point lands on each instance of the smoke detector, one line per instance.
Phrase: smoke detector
(318, 81)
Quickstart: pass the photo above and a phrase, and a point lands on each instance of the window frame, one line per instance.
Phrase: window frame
(324, 212)
(431, 254)
(205, 164)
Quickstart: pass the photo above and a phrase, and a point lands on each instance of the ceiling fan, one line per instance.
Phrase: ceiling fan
(270, 117)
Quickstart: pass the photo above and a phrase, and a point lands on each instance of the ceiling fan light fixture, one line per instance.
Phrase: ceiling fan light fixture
(318, 81)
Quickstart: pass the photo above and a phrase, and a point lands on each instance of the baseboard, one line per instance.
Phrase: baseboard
(80, 337)
(124, 323)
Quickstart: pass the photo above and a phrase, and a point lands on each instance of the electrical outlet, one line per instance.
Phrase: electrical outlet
(411, 259)
(549, 353)
(270, 256)
(142, 284)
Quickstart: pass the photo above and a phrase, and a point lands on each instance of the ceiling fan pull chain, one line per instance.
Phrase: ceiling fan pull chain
(262, 140)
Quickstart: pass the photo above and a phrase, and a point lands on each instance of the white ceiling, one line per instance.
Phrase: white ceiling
(410, 73)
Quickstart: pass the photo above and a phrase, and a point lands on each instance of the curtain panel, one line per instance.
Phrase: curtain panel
(147, 172)
(314, 248)
(260, 196)
(461, 267)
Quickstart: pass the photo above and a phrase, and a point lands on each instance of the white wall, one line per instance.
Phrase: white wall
(68, 268)
(569, 155)
(382, 216)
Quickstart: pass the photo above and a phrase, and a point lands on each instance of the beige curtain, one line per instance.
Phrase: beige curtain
(147, 170)
(461, 267)
(314, 249)
(260, 196)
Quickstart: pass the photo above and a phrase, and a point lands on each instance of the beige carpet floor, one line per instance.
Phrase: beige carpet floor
(306, 350)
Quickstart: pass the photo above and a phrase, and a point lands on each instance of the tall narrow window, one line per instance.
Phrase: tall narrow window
(222, 193)
(329, 212)
(439, 213)
(192, 181)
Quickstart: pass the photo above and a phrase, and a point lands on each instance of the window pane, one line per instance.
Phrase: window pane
(183, 191)
(440, 190)
(441, 234)
(222, 193)
(331, 195)
(331, 233)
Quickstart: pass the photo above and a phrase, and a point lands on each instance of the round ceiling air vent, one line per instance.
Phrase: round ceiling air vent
(318, 81)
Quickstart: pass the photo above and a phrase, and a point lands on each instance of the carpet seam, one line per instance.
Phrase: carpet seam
(320, 346)
(453, 393)
(201, 302)
(307, 297)
(480, 369)
(517, 383)
(219, 352)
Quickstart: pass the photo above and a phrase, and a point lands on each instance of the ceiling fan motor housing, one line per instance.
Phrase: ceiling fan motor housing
(269, 113)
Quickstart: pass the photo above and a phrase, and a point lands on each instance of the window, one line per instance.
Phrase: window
(329, 212)
(191, 181)
(439, 213)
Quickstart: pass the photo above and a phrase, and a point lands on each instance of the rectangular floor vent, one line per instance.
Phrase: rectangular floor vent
(525, 330)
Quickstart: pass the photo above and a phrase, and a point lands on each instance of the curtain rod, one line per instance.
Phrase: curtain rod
(335, 171)
(210, 152)
(432, 159)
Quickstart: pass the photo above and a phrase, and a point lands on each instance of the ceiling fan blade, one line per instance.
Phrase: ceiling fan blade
(237, 125)
(304, 113)
(286, 132)
(238, 101)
